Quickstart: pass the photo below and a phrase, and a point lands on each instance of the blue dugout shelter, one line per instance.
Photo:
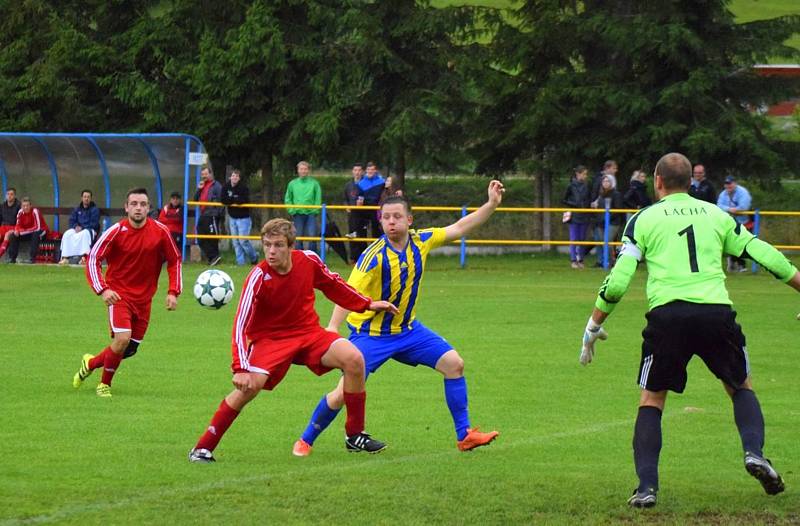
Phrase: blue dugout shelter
(53, 168)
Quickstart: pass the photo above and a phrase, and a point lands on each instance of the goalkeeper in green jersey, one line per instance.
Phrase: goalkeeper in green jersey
(683, 241)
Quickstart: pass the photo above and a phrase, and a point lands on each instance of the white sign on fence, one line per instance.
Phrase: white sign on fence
(198, 159)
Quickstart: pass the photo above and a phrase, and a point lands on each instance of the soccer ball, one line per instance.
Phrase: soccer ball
(213, 289)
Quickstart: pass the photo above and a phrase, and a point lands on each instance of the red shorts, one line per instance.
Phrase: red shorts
(3, 230)
(274, 357)
(124, 317)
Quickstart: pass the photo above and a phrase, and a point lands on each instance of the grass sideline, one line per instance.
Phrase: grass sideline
(563, 457)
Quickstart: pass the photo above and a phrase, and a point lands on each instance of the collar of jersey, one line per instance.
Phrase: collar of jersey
(674, 197)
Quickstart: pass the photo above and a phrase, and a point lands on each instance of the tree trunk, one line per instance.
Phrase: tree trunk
(399, 177)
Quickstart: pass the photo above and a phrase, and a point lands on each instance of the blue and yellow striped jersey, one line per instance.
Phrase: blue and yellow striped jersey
(384, 273)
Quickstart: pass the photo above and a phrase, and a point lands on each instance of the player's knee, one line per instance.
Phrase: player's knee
(120, 342)
(131, 349)
(452, 365)
(353, 363)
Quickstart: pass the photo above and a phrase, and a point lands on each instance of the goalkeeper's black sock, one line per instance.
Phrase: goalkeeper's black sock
(749, 420)
(647, 446)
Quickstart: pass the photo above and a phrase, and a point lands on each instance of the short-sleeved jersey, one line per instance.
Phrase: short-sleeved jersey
(281, 306)
(394, 276)
(135, 257)
(683, 239)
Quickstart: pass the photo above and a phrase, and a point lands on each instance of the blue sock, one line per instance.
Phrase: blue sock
(455, 392)
(320, 420)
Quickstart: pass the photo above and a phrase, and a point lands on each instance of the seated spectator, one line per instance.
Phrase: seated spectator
(30, 226)
(84, 224)
(8, 217)
(171, 215)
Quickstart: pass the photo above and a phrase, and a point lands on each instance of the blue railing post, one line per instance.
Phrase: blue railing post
(324, 221)
(606, 226)
(463, 241)
(756, 230)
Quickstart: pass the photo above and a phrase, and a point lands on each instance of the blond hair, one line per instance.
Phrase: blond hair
(279, 227)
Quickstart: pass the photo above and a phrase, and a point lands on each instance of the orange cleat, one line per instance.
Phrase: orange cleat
(475, 439)
(301, 448)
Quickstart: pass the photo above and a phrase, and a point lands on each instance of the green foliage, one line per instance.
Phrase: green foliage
(563, 455)
(631, 81)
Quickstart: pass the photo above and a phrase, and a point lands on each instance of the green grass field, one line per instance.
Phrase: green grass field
(563, 457)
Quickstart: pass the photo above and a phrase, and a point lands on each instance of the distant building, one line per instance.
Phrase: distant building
(785, 108)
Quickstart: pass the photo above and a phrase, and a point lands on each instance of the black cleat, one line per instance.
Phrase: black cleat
(761, 468)
(643, 498)
(363, 442)
(202, 456)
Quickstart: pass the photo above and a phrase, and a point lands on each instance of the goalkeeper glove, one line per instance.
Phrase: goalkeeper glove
(590, 335)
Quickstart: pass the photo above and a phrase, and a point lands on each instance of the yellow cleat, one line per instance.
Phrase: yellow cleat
(83, 373)
(103, 390)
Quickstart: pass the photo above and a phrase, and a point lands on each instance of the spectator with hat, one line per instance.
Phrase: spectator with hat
(735, 199)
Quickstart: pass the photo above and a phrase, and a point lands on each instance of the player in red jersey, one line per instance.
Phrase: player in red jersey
(276, 326)
(135, 250)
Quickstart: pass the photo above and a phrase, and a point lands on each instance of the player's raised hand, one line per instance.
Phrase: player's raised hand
(172, 302)
(591, 334)
(496, 190)
(381, 306)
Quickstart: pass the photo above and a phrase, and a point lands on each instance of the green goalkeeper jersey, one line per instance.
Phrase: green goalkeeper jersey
(682, 240)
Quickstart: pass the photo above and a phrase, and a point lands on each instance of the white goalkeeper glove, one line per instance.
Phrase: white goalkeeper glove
(590, 335)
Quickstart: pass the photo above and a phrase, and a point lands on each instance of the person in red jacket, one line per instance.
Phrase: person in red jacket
(172, 216)
(276, 326)
(135, 250)
(30, 226)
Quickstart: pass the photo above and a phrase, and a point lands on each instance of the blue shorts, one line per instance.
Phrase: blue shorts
(416, 346)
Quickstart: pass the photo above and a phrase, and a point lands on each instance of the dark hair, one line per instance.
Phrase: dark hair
(579, 169)
(371, 164)
(394, 199)
(236, 171)
(359, 165)
(12, 189)
(675, 171)
(86, 191)
(137, 191)
(175, 194)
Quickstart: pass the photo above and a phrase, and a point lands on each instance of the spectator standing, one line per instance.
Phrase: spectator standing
(209, 191)
(577, 196)
(304, 190)
(84, 224)
(171, 215)
(610, 168)
(609, 197)
(636, 196)
(30, 226)
(8, 218)
(701, 188)
(235, 192)
(355, 227)
(370, 189)
(733, 199)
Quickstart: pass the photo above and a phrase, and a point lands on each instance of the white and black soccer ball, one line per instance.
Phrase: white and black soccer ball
(213, 289)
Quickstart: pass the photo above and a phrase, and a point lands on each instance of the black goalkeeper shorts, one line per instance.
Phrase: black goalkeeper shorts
(677, 331)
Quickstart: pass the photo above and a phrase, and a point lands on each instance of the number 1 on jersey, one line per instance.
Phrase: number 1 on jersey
(689, 231)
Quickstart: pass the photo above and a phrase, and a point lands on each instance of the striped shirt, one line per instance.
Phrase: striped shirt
(394, 276)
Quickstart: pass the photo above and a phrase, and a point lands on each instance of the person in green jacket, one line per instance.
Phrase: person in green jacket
(304, 190)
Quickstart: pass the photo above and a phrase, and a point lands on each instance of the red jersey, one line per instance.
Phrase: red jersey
(134, 257)
(173, 218)
(30, 222)
(281, 306)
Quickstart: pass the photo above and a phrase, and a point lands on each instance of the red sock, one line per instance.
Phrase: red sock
(3, 247)
(99, 359)
(220, 423)
(110, 366)
(355, 403)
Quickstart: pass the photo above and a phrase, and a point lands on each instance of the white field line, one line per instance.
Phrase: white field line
(160, 494)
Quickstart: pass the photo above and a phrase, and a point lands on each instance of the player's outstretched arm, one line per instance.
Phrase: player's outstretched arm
(463, 226)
